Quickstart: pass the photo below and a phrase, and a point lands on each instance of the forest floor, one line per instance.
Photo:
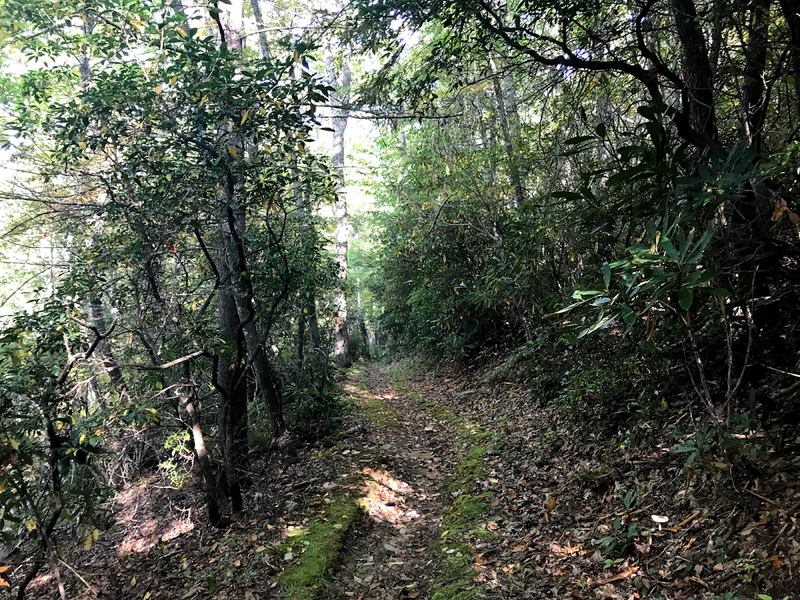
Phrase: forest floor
(452, 486)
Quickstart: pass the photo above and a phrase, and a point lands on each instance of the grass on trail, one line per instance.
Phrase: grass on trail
(319, 548)
(319, 544)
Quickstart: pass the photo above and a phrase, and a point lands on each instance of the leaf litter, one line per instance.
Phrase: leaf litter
(462, 495)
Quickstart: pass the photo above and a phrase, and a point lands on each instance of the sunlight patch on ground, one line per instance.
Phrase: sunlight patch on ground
(384, 499)
(41, 580)
(146, 521)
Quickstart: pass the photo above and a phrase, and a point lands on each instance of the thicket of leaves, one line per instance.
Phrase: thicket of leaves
(131, 166)
(651, 208)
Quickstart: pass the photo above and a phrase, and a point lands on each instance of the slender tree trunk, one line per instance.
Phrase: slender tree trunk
(492, 142)
(233, 401)
(104, 348)
(266, 380)
(791, 13)
(339, 97)
(753, 101)
(262, 35)
(232, 423)
(307, 323)
(201, 453)
(513, 167)
(300, 342)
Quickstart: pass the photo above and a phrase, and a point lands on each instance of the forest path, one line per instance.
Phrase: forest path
(398, 463)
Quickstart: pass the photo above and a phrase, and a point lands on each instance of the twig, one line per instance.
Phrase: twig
(675, 528)
(759, 496)
(779, 371)
(78, 575)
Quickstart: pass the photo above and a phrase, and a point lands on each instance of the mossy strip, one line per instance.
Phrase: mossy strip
(469, 516)
(318, 548)
(370, 406)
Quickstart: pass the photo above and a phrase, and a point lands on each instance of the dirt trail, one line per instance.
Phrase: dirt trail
(385, 556)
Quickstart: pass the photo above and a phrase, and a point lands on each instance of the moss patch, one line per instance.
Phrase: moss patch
(318, 547)
(368, 405)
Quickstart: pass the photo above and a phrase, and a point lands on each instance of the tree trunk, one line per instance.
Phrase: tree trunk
(232, 24)
(203, 459)
(233, 394)
(233, 241)
(513, 167)
(307, 323)
(339, 97)
(697, 74)
(104, 348)
(232, 414)
(791, 13)
(300, 343)
(753, 101)
(262, 36)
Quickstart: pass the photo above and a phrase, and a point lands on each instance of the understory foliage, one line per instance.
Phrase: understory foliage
(170, 177)
(629, 171)
(606, 192)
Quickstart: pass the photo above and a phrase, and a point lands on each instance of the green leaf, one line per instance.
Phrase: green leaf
(567, 195)
(600, 301)
(606, 274)
(578, 140)
(670, 249)
(647, 112)
(698, 278)
(600, 130)
(628, 316)
(685, 297)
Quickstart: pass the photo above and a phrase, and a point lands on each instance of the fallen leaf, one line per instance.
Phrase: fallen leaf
(551, 503)
(776, 562)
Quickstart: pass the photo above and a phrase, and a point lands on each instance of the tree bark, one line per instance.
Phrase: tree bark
(513, 167)
(233, 240)
(340, 97)
(233, 398)
(104, 348)
(262, 36)
(697, 72)
(307, 323)
(753, 101)
(201, 453)
(791, 13)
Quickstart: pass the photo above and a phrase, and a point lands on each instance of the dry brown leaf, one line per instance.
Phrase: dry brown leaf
(776, 562)
(551, 503)
(780, 208)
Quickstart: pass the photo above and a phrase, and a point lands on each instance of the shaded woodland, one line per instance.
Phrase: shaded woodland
(567, 233)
